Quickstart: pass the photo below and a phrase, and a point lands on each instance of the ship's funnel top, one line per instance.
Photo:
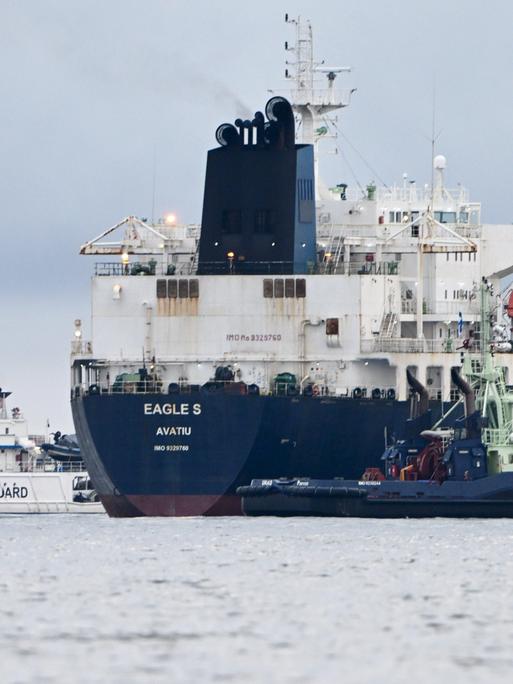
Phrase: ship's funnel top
(259, 202)
(277, 132)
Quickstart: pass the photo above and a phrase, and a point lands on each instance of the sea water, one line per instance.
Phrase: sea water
(85, 598)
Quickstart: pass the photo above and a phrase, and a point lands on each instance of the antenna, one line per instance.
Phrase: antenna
(154, 184)
(312, 98)
(433, 122)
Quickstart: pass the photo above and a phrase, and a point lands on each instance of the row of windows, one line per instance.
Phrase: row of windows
(461, 294)
(284, 287)
(185, 288)
(458, 256)
(440, 216)
(264, 221)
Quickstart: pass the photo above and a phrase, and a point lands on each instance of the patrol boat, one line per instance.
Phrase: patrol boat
(463, 471)
(260, 343)
(31, 481)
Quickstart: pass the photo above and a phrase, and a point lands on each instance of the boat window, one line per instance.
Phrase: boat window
(463, 217)
(391, 217)
(161, 289)
(194, 288)
(474, 217)
(268, 287)
(172, 289)
(445, 216)
(300, 287)
(289, 287)
(278, 287)
(232, 221)
(6, 431)
(183, 289)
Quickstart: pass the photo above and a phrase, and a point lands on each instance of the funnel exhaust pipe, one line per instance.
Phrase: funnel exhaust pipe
(465, 389)
(418, 387)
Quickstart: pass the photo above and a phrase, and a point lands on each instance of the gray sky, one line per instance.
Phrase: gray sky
(91, 90)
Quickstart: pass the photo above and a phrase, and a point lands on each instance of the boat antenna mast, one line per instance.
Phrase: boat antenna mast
(311, 98)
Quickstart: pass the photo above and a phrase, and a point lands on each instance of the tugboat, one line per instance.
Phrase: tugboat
(462, 471)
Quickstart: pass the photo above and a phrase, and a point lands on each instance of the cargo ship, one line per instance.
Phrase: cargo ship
(272, 339)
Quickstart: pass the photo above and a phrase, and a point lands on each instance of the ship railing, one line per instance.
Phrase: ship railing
(496, 436)
(328, 266)
(136, 268)
(443, 308)
(317, 392)
(382, 231)
(43, 466)
(81, 347)
(409, 345)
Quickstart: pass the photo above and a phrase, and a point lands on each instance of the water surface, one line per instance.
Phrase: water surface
(90, 599)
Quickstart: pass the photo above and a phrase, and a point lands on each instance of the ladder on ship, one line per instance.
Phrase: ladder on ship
(335, 247)
(388, 325)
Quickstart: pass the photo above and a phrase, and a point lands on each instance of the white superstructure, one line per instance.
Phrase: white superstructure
(395, 286)
(32, 483)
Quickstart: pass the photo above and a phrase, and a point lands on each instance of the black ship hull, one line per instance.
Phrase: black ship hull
(488, 497)
(186, 454)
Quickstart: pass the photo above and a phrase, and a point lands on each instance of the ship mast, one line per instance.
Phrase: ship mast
(312, 99)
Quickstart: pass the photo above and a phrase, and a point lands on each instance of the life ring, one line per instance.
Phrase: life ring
(316, 390)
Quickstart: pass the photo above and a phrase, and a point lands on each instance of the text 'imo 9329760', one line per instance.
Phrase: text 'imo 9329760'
(273, 341)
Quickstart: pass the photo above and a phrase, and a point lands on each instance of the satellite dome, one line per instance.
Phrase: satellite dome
(440, 162)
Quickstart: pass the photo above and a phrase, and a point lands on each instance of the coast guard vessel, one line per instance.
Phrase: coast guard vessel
(32, 482)
(273, 339)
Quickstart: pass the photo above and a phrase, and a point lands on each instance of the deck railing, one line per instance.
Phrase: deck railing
(409, 345)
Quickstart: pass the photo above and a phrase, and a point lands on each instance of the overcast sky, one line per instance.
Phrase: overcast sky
(91, 92)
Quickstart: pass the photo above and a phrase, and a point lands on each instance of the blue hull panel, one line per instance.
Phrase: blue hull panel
(187, 453)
